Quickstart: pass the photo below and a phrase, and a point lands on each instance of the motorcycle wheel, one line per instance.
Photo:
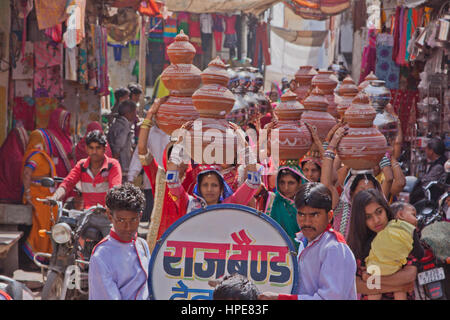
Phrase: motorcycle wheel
(52, 287)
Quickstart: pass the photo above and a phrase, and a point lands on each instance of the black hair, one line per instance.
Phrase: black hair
(236, 287)
(306, 161)
(314, 195)
(359, 234)
(359, 177)
(287, 172)
(398, 206)
(121, 92)
(125, 197)
(126, 107)
(203, 175)
(96, 136)
(437, 145)
(135, 88)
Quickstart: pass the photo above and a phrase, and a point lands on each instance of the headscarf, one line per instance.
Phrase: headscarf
(61, 141)
(204, 169)
(11, 155)
(39, 142)
(283, 209)
(80, 149)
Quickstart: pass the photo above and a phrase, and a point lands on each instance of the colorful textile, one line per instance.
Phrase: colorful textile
(11, 156)
(386, 69)
(55, 33)
(82, 69)
(262, 40)
(195, 33)
(48, 73)
(118, 270)
(170, 32)
(71, 64)
(183, 22)
(156, 28)
(404, 102)
(50, 13)
(92, 61)
(101, 55)
(47, 54)
(44, 107)
(369, 56)
(24, 67)
(58, 129)
(218, 30)
(23, 88)
(24, 112)
(37, 157)
(230, 24)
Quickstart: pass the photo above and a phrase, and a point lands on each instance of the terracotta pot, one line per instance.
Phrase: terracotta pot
(364, 145)
(213, 141)
(294, 140)
(213, 101)
(346, 93)
(289, 108)
(303, 78)
(379, 95)
(327, 81)
(181, 51)
(316, 113)
(175, 112)
(216, 73)
(181, 79)
(371, 76)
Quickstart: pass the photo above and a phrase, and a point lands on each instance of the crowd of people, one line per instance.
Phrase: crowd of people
(341, 222)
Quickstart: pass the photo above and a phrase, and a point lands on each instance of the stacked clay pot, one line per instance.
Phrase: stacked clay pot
(346, 93)
(370, 77)
(317, 115)
(364, 145)
(213, 102)
(327, 81)
(182, 78)
(294, 139)
(303, 78)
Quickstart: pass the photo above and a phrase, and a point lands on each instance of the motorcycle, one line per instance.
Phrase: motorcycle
(432, 282)
(74, 235)
(15, 289)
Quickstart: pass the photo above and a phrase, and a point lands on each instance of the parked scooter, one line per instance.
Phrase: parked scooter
(74, 234)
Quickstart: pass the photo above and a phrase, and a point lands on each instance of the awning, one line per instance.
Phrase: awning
(304, 38)
(204, 6)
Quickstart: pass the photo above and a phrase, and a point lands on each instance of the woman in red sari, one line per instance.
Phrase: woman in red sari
(58, 129)
(80, 148)
(11, 155)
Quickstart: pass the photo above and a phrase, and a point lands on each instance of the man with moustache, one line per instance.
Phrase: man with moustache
(327, 266)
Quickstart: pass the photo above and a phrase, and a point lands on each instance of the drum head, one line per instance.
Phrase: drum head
(210, 243)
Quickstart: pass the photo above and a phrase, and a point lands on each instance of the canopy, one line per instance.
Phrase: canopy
(204, 6)
(304, 38)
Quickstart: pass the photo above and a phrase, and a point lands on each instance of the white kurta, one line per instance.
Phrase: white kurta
(119, 270)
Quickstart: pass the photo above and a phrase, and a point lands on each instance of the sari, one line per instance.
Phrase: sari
(283, 209)
(11, 155)
(80, 148)
(38, 159)
(58, 129)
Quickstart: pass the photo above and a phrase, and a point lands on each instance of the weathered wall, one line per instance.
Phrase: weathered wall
(5, 25)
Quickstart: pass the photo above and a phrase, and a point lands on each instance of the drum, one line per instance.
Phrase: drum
(219, 240)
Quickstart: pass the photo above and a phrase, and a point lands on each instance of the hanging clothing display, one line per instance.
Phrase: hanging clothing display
(155, 29)
(262, 41)
(24, 111)
(50, 13)
(24, 66)
(218, 29)
(170, 32)
(369, 55)
(44, 107)
(195, 36)
(386, 69)
(231, 40)
(206, 23)
(183, 22)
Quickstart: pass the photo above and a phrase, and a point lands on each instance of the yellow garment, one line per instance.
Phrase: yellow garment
(43, 167)
(391, 247)
(380, 178)
(162, 90)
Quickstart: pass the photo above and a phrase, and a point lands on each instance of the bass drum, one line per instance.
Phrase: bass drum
(220, 240)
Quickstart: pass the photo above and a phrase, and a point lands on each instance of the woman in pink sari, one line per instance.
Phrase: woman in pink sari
(58, 129)
(11, 155)
(80, 148)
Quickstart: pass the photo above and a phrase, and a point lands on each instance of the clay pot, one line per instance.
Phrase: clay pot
(175, 112)
(316, 113)
(181, 79)
(364, 145)
(327, 81)
(289, 108)
(213, 141)
(371, 76)
(181, 51)
(346, 93)
(303, 77)
(379, 95)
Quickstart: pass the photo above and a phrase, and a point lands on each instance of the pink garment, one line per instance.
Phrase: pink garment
(80, 149)
(47, 54)
(25, 112)
(59, 130)
(230, 22)
(369, 58)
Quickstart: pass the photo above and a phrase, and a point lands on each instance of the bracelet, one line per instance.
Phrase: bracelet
(325, 145)
(329, 154)
(331, 147)
(385, 162)
(172, 176)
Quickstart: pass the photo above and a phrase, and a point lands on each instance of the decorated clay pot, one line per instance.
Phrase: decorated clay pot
(181, 51)
(379, 95)
(316, 113)
(346, 93)
(213, 141)
(289, 108)
(327, 81)
(371, 76)
(174, 113)
(181, 79)
(364, 145)
(303, 78)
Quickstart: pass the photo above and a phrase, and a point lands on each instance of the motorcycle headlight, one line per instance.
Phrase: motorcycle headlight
(61, 233)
